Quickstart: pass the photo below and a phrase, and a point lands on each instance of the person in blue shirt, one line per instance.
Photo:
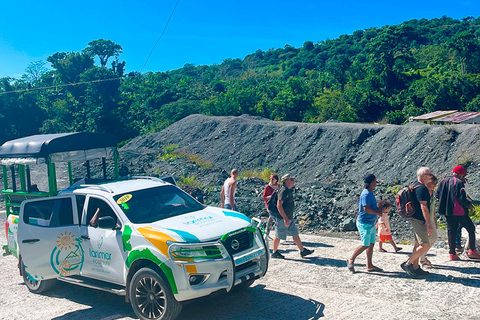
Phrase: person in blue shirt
(368, 212)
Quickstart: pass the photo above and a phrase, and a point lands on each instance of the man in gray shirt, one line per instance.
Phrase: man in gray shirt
(286, 224)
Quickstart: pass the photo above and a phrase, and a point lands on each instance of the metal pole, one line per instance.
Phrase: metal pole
(87, 164)
(29, 181)
(104, 168)
(14, 185)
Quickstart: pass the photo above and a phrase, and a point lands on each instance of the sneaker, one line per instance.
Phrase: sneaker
(305, 252)
(473, 254)
(408, 268)
(420, 272)
(277, 255)
(454, 257)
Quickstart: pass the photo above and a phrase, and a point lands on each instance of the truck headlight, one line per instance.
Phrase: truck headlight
(190, 252)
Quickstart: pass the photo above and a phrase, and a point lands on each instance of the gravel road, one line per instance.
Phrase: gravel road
(295, 288)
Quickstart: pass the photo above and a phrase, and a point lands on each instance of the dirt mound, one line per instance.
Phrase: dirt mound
(328, 159)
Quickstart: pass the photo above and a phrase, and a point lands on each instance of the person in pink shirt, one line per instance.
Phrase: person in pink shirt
(267, 193)
(384, 229)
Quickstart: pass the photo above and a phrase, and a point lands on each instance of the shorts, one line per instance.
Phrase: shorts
(227, 206)
(386, 238)
(420, 230)
(367, 233)
(281, 231)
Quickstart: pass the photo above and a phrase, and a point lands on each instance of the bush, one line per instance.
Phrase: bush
(475, 214)
(204, 164)
(264, 174)
(169, 152)
(394, 189)
(189, 181)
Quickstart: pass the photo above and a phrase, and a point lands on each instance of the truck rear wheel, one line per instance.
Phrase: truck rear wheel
(37, 286)
(151, 297)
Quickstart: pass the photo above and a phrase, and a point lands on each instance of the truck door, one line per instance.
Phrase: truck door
(104, 254)
(49, 237)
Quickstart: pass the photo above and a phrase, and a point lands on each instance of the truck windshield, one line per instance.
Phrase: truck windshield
(153, 204)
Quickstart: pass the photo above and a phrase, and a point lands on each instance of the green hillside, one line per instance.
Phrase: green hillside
(380, 74)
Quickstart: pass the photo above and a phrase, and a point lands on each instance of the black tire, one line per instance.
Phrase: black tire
(37, 286)
(151, 297)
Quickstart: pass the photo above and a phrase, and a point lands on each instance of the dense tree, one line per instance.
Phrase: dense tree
(378, 74)
(104, 50)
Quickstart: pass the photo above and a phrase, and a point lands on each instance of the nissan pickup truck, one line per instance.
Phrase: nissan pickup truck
(141, 238)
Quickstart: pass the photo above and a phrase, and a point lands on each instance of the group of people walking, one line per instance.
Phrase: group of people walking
(448, 199)
(453, 203)
(282, 217)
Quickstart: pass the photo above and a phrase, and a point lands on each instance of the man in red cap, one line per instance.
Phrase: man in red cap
(454, 204)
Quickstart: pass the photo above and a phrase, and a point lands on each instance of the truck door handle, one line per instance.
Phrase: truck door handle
(85, 237)
(30, 240)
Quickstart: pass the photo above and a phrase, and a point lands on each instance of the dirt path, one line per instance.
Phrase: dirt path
(318, 287)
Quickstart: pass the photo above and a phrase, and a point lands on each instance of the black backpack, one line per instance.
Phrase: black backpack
(272, 203)
(405, 201)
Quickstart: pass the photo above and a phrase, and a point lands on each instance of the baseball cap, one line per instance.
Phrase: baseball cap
(460, 170)
(286, 177)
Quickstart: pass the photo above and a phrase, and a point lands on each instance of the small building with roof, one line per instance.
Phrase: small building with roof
(459, 118)
(428, 118)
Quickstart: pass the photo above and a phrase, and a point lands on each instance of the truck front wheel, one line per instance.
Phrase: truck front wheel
(151, 297)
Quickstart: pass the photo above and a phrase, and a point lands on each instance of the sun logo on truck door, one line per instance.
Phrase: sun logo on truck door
(67, 256)
(65, 241)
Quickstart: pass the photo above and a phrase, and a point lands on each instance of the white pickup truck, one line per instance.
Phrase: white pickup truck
(144, 239)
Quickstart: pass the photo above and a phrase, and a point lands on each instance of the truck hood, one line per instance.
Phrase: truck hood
(208, 224)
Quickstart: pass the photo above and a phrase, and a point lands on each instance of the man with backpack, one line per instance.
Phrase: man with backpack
(285, 223)
(454, 204)
(421, 222)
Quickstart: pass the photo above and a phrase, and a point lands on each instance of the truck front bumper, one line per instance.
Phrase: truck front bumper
(199, 277)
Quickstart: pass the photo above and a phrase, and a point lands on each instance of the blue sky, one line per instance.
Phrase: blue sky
(200, 32)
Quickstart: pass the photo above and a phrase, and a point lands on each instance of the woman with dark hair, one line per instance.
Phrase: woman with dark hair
(368, 213)
(267, 194)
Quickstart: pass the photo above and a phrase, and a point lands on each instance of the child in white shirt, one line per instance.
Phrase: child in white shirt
(384, 230)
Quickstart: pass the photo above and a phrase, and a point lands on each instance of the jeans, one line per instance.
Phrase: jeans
(452, 226)
(458, 238)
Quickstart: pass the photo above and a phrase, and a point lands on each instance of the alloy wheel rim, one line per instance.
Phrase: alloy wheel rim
(150, 297)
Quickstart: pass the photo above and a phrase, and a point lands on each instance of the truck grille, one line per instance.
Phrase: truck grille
(238, 242)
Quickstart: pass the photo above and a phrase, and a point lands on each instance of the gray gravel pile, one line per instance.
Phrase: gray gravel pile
(328, 160)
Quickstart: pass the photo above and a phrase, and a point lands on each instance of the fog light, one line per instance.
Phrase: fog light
(196, 279)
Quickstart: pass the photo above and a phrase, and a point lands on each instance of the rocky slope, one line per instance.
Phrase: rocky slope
(328, 159)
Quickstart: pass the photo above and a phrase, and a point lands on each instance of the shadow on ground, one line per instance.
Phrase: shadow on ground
(256, 302)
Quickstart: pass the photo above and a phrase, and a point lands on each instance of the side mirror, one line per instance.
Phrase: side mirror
(107, 223)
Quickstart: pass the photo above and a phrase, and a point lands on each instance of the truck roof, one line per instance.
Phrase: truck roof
(115, 187)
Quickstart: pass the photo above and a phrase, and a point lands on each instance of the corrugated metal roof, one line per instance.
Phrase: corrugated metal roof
(434, 114)
(459, 117)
